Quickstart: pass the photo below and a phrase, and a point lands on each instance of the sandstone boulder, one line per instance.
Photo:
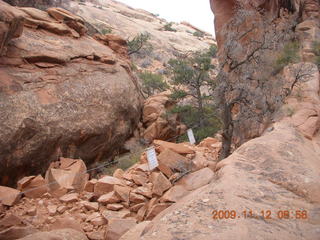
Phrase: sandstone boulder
(69, 198)
(91, 206)
(171, 162)
(157, 127)
(156, 209)
(13, 227)
(160, 183)
(136, 198)
(118, 227)
(139, 178)
(109, 215)
(49, 92)
(135, 232)
(118, 173)
(196, 179)
(106, 185)
(174, 194)
(135, 208)
(70, 174)
(114, 207)
(110, 197)
(89, 187)
(96, 219)
(144, 191)
(199, 161)
(69, 222)
(122, 192)
(9, 196)
(60, 234)
(17, 232)
(33, 186)
(181, 148)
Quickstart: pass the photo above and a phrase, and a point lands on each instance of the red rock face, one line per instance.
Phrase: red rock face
(244, 31)
(62, 93)
(36, 3)
(224, 10)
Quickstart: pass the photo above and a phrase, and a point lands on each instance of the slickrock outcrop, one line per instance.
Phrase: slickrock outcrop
(107, 207)
(128, 22)
(62, 93)
(69, 234)
(268, 188)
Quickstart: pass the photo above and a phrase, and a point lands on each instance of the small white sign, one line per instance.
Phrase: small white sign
(152, 158)
(192, 140)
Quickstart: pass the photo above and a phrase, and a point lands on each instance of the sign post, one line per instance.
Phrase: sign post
(152, 158)
(192, 140)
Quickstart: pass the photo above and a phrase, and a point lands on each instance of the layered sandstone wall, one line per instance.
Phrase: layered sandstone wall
(62, 93)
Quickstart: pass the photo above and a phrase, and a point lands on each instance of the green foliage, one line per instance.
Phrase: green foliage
(189, 116)
(198, 34)
(213, 50)
(290, 54)
(189, 76)
(178, 94)
(134, 67)
(168, 27)
(106, 31)
(316, 51)
(152, 83)
(138, 42)
(192, 71)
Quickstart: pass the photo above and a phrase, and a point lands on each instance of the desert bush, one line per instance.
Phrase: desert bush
(106, 31)
(189, 116)
(168, 27)
(290, 54)
(152, 83)
(139, 42)
(198, 34)
(316, 50)
(213, 50)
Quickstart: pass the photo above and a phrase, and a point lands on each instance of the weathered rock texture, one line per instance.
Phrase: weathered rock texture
(128, 22)
(158, 123)
(62, 93)
(41, 4)
(108, 206)
(277, 171)
(250, 35)
(224, 10)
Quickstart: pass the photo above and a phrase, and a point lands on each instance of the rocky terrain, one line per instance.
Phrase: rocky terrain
(128, 22)
(107, 207)
(262, 181)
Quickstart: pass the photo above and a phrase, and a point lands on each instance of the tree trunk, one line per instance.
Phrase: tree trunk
(227, 132)
(200, 107)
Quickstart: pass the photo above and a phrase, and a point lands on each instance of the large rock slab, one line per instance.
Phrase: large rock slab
(118, 227)
(9, 196)
(60, 234)
(196, 179)
(279, 171)
(32, 186)
(59, 96)
(106, 185)
(67, 174)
